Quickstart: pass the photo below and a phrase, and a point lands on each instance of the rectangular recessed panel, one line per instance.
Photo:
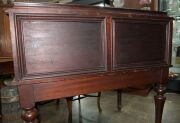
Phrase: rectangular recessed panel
(138, 43)
(63, 46)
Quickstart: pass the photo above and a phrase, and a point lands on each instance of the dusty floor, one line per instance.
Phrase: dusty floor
(136, 109)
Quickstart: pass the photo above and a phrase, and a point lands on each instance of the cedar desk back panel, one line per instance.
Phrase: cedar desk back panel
(66, 50)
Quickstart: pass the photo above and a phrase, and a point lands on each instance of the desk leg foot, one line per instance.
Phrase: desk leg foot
(30, 115)
(159, 102)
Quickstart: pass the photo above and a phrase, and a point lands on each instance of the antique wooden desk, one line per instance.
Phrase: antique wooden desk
(66, 50)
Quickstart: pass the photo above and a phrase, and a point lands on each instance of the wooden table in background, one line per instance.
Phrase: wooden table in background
(6, 70)
(6, 66)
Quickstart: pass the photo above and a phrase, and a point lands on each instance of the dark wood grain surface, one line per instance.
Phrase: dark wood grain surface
(81, 49)
(135, 45)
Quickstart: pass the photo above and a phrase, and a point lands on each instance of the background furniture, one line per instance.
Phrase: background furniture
(6, 65)
(98, 96)
(5, 41)
(54, 55)
(6, 62)
(174, 84)
(79, 97)
(172, 8)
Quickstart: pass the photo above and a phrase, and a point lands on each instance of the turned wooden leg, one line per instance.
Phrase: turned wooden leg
(159, 102)
(98, 102)
(30, 115)
(27, 101)
(119, 101)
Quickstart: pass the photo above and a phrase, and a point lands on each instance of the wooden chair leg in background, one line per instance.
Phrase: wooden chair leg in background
(70, 99)
(79, 97)
(99, 101)
(119, 100)
(69, 105)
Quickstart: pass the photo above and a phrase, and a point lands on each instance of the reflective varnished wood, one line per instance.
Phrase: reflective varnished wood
(5, 40)
(66, 50)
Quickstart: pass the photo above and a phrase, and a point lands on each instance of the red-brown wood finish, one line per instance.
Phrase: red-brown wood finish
(66, 50)
(5, 40)
(6, 63)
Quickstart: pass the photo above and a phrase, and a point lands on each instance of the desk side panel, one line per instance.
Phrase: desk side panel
(139, 43)
(59, 45)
